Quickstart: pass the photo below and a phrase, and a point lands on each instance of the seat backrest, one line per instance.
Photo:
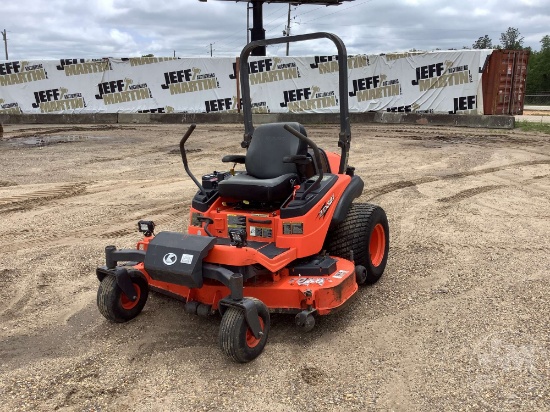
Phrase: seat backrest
(269, 145)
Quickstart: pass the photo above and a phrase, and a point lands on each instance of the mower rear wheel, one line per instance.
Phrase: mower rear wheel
(365, 230)
(237, 340)
(113, 303)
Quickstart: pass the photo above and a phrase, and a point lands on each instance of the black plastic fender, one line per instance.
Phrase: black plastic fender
(352, 192)
(250, 312)
(125, 283)
(113, 256)
(123, 279)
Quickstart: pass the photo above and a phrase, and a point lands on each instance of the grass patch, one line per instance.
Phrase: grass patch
(533, 126)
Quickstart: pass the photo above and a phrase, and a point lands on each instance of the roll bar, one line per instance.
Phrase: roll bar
(344, 138)
(184, 159)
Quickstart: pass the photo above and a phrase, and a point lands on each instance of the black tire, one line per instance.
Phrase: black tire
(115, 305)
(365, 230)
(237, 340)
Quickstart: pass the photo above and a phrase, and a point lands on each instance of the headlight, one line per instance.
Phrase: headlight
(237, 237)
(147, 227)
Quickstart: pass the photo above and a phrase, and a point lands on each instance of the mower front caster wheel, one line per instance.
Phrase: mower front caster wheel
(113, 303)
(306, 321)
(237, 340)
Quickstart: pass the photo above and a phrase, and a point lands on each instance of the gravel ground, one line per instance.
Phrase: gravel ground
(458, 322)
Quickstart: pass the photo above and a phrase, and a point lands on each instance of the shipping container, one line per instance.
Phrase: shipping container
(503, 82)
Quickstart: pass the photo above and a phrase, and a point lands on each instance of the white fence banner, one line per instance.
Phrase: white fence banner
(437, 82)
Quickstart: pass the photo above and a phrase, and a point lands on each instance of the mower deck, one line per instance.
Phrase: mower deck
(280, 293)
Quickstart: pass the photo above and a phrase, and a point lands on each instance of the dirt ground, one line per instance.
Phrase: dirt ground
(536, 112)
(459, 321)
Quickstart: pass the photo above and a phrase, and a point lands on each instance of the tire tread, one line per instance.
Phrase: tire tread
(108, 300)
(350, 235)
(233, 331)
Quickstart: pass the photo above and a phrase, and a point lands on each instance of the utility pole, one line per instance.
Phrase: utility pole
(5, 37)
(210, 49)
(248, 8)
(258, 31)
(287, 29)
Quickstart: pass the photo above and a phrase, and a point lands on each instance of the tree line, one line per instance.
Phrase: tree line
(538, 69)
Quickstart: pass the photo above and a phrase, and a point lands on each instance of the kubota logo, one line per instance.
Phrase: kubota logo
(169, 259)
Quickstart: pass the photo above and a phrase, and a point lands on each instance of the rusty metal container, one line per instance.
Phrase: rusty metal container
(503, 82)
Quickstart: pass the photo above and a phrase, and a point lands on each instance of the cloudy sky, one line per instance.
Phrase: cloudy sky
(54, 29)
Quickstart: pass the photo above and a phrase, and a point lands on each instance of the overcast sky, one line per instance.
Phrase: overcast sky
(54, 29)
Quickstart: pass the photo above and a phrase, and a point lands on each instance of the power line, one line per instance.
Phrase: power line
(338, 11)
(276, 24)
(225, 43)
(282, 16)
(275, 11)
(311, 11)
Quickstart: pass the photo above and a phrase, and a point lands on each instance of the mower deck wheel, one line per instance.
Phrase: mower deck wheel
(191, 307)
(306, 322)
(361, 274)
(113, 303)
(204, 310)
(237, 340)
(365, 230)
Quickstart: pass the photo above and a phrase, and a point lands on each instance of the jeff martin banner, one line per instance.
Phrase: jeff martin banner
(436, 82)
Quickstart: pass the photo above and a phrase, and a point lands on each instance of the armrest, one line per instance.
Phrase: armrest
(233, 159)
(297, 159)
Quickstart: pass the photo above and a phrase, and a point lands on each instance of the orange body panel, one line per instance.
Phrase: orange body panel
(245, 256)
(280, 293)
(333, 161)
(315, 225)
(310, 242)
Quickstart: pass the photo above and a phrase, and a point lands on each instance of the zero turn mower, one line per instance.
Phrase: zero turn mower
(281, 236)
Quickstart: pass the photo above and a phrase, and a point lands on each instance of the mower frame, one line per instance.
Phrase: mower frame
(284, 272)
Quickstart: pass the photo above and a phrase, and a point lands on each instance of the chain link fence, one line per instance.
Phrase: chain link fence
(537, 99)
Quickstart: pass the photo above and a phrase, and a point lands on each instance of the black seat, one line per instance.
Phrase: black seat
(267, 177)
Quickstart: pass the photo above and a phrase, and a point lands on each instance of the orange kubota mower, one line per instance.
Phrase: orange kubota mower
(281, 236)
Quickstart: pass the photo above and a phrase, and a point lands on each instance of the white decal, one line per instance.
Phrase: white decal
(340, 274)
(326, 207)
(309, 281)
(187, 259)
(169, 259)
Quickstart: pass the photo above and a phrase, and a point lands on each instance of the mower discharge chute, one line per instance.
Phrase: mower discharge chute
(281, 236)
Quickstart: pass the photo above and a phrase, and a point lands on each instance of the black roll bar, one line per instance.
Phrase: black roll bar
(184, 159)
(344, 138)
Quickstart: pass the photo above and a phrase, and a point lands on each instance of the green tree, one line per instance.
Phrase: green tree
(511, 39)
(538, 72)
(148, 55)
(483, 43)
(543, 65)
